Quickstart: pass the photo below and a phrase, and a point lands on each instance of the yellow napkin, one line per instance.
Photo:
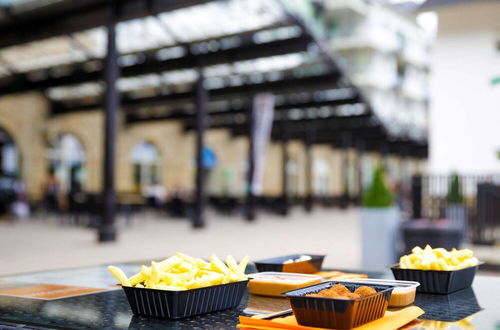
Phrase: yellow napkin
(391, 320)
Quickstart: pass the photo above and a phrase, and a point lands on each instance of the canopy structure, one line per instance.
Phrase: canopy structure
(196, 61)
(245, 47)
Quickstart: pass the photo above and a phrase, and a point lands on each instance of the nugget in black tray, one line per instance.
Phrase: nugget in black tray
(339, 313)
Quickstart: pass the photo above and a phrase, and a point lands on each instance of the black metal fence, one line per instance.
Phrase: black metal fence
(477, 207)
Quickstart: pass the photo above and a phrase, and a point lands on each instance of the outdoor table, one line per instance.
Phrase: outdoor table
(109, 308)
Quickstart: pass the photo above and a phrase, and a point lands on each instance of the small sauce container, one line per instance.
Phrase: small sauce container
(403, 293)
(293, 263)
(275, 283)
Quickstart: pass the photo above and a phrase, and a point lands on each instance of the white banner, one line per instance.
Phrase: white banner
(263, 112)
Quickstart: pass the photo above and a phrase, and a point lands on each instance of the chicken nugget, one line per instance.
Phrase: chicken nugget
(318, 295)
(365, 291)
(329, 294)
(348, 295)
(326, 293)
(314, 295)
(339, 289)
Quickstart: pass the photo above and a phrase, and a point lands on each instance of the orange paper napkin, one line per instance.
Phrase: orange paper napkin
(391, 320)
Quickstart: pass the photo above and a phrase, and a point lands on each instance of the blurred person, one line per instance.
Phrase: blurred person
(178, 199)
(178, 192)
(156, 193)
(20, 208)
(397, 188)
(52, 193)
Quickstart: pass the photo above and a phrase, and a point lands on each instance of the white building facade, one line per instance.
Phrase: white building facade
(387, 55)
(465, 104)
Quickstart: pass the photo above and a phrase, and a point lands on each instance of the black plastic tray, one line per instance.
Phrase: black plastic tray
(338, 313)
(181, 304)
(437, 281)
(276, 264)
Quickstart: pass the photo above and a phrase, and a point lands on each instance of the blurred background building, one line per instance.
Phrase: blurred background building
(64, 133)
(465, 99)
(385, 53)
(388, 64)
(246, 105)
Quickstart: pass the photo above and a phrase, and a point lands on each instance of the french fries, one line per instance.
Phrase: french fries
(182, 272)
(438, 259)
(120, 275)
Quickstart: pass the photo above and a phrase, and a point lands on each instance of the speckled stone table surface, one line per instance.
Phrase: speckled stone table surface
(477, 306)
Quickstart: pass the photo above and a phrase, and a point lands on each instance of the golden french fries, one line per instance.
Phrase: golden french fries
(120, 275)
(438, 259)
(182, 272)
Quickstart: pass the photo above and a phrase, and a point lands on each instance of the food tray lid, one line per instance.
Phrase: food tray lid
(399, 286)
(280, 260)
(282, 277)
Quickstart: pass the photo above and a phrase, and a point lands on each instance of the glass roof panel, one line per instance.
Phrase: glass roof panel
(218, 76)
(19, 6)
(42, 54)
(211, 20)
(75, 92)
(139, 82)
(141, 34)
(217, 19)
(4, 71)
(93, 41)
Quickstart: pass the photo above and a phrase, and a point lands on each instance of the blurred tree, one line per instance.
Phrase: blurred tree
(378, 195)
(455, 191)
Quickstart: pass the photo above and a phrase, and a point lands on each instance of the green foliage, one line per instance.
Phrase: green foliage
(378, 195)
(455, 191)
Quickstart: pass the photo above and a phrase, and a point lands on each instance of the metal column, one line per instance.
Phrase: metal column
(107, 230)
(198, 220)
(360, 146)
(308, 201)
(416, 196)
(346, 145)
(250, 200)
(285, 157)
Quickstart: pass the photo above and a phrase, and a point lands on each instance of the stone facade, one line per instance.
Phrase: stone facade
(26, 118)
(87, 127)
(176, 148)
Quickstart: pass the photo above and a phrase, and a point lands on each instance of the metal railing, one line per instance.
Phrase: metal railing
(479, 210)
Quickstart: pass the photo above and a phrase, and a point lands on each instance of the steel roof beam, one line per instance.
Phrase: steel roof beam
(133, 117)
(78, 74)
(287, 85)
(72, 16)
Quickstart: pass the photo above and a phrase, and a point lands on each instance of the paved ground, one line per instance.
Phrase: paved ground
(42, 244)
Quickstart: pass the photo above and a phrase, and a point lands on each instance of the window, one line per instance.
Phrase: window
(321, 183)
(67, 161)
(9, 156)
(292, 171)
(146, 163)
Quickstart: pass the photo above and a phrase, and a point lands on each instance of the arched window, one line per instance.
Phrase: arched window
(292, 172)
(321, 173)
(9, 156)
(146, 162)
(67, 161)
